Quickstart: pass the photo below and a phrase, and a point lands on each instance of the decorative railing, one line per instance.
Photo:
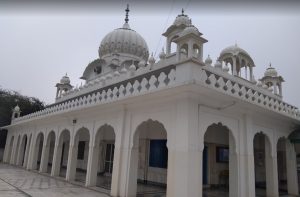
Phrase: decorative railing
(245, 90)
(146, 80)
(137, 85)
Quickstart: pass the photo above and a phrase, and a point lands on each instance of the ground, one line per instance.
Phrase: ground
(17, 182)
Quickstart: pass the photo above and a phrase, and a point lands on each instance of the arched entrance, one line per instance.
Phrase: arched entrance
(38, 151)
(281, 166)
(149, 159)
(21, 152)
(62, 155)
(264, 166)
(102, 157)
(219, 162)
(79, 156)
(48, 152)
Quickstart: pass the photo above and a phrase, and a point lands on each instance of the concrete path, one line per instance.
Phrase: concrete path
(17, 182)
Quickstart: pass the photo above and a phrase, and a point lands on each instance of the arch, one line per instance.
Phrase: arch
(197, 51)
(172, 46)
(79, 155)
(263, 165)
(267, 138)
(60, 160)
(149, 155)
(183, 51)
(104, 131)
(220, 162)
(64, 135)
(102, 159)
(210, 119)
(38, 147)
(282, 165)
(48, 152)
(81, 131)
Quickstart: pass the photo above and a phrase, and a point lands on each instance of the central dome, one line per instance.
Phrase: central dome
(124, 41)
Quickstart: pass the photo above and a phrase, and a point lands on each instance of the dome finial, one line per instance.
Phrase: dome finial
(270, 65)
(182, 12)
(127, 11)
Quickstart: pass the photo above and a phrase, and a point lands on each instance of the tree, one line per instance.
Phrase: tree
(8, 100)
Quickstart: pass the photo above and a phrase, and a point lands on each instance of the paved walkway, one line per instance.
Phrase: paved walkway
(17, 182)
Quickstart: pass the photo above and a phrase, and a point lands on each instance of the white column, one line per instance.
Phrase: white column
(92, 167)
(234, 184)
(7, 149)
(246, 159)
(72, 162)
(184, 173)
(185, 152)
(291, 166)
(16, 153)
(251, 73)
(120, 155)
(178, 53)
(35, 154)
(121, 178)
(275, 87)
(234, 66)
(26, 152)
(271, 169)
(20, 152)
(190, 49)
(280, 89)
(45, 157)
(56, 159)
(168, 47)
(13, 152)
(31, 153)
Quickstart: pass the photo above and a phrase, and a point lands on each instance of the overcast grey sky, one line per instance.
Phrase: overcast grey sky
(39, 43)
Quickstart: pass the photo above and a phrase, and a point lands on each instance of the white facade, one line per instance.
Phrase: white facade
(180, 98)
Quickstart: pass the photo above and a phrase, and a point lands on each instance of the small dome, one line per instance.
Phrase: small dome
(65, 80)
(151, 59)
(235, 50)
(218, 64)
(162, 54)
(182, 19)
(142, 63)
(17, 108)
(226, 68)
(271, 72)
(191, 30)
(208, 60)
(124, 40)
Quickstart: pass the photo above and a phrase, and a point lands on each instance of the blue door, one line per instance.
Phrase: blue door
(204, 166)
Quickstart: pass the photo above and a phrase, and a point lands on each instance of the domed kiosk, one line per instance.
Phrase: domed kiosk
(238, 58)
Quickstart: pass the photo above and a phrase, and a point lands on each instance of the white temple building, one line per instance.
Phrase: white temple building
(181, 123)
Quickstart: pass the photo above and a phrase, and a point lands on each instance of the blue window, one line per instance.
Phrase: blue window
(158, 154)
(222, 155)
